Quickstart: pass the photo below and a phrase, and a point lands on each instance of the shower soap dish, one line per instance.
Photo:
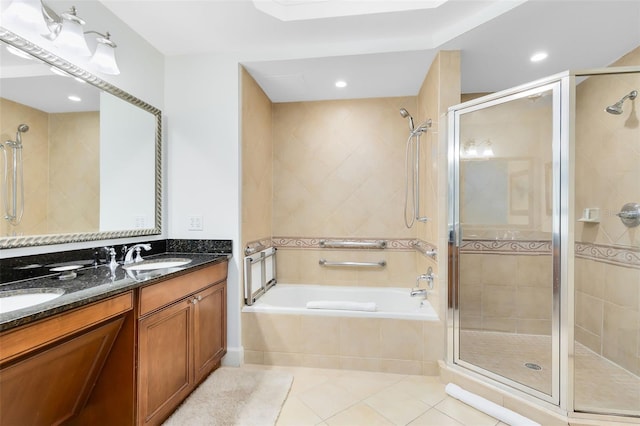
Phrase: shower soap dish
(590, 215)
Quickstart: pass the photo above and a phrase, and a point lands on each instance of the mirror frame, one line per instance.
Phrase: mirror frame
(45, 56)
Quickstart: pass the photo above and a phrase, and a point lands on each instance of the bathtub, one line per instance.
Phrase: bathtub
(392, 303)
(402, 336)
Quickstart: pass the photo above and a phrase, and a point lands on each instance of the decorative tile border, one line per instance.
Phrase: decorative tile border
(622, 256)
(520, 247)
(398, 244)
(314, 242)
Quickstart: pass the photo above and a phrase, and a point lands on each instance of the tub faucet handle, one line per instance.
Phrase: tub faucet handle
(428, 277)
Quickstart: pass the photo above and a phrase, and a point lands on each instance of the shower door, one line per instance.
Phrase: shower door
(505, 296)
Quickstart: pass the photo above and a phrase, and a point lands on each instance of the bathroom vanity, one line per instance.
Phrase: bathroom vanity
(122, 349)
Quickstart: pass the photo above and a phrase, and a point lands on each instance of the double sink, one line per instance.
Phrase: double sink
(12, 300)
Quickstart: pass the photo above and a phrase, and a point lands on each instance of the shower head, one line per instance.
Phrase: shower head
(23, 128)
(405, 114)
(617, 107)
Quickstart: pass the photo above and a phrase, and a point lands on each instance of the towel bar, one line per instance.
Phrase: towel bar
(379, 264)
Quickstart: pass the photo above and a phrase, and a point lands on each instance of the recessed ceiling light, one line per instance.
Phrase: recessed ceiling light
(538, 56)
(74, 98)
(341, 83)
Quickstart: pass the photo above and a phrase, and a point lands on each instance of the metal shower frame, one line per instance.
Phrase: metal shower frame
(563, 321)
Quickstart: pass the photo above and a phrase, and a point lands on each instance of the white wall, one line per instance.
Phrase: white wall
(201, 94)
(127, 165)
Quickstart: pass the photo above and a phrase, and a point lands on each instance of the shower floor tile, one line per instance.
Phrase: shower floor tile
(600, 385)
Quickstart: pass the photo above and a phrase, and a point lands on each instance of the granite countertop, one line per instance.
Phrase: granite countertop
(94, 283)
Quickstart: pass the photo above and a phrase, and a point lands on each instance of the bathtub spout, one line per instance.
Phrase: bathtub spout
(419, 292)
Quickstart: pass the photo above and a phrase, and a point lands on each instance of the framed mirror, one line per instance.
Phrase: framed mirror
(80, 159)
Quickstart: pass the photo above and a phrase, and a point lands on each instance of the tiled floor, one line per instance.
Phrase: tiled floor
(355, 398)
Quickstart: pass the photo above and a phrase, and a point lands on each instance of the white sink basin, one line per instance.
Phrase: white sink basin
(13, 300)
(148, 265)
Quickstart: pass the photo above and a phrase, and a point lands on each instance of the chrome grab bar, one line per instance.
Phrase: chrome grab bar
(263, 285)
(353, 244)
(262, 257)
(379, 264)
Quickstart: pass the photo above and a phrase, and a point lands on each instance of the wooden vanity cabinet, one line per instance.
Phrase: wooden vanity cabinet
(49, 368)
(181, 339)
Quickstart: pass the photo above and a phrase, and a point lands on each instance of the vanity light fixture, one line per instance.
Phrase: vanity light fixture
(66, 31)
(470, 149)
(70, 35)
(26, 14)
(488, 150)
(104, 58)
(341, 83)
(538, 56)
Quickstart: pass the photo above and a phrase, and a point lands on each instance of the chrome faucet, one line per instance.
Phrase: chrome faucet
(419, 292)
(128, 258)
(428, 277)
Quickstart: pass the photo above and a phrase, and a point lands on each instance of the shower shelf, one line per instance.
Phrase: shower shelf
(590, 215)
(585, 220)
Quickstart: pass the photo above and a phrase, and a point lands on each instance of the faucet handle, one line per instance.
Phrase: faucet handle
(428, 277)
(138, 257)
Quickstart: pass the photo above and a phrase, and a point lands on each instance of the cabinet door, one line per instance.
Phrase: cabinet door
(210, 329)
(164, 361)
(52, 386)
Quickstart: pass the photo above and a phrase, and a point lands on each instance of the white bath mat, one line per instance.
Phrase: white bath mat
(235, 397)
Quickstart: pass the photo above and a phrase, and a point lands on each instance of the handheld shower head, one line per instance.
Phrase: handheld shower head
(617, 107)
(405, 114)
(23, 128)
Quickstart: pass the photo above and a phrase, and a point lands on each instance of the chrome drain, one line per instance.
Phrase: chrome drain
(533, 366)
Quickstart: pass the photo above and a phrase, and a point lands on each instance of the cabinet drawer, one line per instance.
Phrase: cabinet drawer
(156, 296)
(16, 342)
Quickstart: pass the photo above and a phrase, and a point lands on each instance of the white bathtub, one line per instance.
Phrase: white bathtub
(393, 303)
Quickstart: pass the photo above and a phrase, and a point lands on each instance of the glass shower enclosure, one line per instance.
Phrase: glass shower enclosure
(545, 248)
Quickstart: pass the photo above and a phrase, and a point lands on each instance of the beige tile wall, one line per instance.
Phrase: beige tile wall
(74, 172)
(607, 155)
(440, 89)
(339, 168)
(61, 196)
(372, 344)
(608, 311)
(607, 168)
(301, 267)
(35, 156)
(257, 161)
(508, 293)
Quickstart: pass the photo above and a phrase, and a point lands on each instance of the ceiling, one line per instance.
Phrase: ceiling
(389, 54)
(382, 53)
